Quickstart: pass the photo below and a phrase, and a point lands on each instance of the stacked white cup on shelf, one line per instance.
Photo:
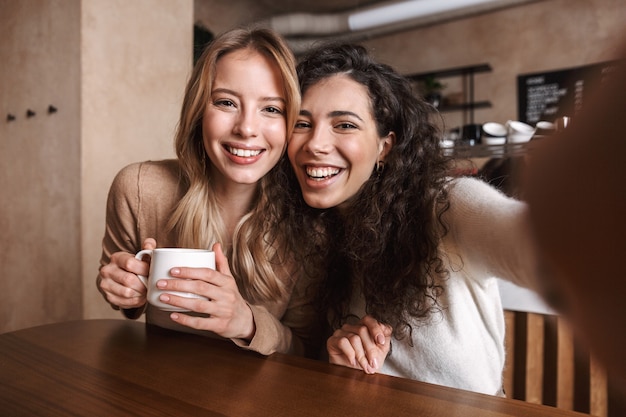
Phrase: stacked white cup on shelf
(519, 132)
(515, 132)
(493, 134)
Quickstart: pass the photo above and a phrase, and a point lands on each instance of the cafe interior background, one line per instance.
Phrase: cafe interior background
(88, 86)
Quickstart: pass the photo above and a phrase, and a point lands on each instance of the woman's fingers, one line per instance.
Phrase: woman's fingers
(119, 282)
(379, 332)
(201, 281)
(230, 320)
(196, 304)
(353, 346)
(224, 302)
(149, 243)
(341, 352)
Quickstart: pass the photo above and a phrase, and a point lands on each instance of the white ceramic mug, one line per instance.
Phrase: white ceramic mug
(163, 260)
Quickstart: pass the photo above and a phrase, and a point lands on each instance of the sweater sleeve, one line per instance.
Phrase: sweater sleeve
(121, 215)
(270, 335)
(298, 331)
(121, 222)
(491, 233)
(140, 201)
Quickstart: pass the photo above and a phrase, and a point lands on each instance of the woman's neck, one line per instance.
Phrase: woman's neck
(234, 202)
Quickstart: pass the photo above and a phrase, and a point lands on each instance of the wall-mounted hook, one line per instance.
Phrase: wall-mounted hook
(52, 109)
(10, 117)
(30, 113)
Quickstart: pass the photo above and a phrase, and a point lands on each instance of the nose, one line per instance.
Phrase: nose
(247, 123)
(318, 142)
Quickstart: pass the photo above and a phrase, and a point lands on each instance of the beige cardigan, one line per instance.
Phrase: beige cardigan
(140, 202)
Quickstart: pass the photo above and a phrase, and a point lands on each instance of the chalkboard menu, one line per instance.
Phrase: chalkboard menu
(550, 95)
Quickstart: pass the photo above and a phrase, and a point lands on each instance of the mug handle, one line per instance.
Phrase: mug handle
(139, 255)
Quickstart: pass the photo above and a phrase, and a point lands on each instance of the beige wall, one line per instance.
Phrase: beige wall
(116, 71)
(40, 253)
(136, 57)
(221, 15)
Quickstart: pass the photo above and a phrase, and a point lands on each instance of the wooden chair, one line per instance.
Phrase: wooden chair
(545, 365)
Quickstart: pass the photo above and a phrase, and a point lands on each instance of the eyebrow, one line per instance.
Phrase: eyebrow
(334, 113)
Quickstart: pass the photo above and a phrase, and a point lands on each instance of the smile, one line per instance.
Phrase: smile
(321, 173)
(244, 153)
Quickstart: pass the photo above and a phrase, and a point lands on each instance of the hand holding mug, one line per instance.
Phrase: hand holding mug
(221, 306)
(163, 260)
(118, 281)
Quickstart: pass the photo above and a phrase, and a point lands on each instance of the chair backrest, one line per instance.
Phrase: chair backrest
(545, 365)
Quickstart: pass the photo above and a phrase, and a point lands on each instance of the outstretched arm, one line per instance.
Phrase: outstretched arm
(576, 189)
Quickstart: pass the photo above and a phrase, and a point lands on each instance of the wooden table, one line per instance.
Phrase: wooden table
(125, 368)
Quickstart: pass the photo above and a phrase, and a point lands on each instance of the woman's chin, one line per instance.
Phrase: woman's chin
(318, 202)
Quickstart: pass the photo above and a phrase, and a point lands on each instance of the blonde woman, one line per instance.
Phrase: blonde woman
(221, 192)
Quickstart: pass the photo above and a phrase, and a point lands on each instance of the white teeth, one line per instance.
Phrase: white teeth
(245, 153)
(321, 172)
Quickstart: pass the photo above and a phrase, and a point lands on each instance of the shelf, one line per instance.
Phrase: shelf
(467, 73)
(465, 106)
(451, 72)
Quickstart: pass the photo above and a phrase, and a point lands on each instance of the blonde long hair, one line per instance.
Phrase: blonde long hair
(258, 248)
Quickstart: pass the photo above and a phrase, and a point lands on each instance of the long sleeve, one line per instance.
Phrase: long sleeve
(491, 233)
(462, 345)
(298, 331)
(139, 201)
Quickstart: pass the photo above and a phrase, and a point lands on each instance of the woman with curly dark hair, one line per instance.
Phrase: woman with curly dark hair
(400, 246)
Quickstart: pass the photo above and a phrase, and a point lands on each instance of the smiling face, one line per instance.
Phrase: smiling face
(243, 126)
(335, 145)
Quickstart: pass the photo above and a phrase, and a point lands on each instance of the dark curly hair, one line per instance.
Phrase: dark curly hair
(385, 244)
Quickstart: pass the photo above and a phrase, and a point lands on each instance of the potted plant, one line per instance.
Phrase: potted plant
(432, 90)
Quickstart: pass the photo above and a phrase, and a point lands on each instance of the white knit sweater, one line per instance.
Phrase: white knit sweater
(463, 345)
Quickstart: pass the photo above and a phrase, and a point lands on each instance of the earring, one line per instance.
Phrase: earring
(380, 167)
